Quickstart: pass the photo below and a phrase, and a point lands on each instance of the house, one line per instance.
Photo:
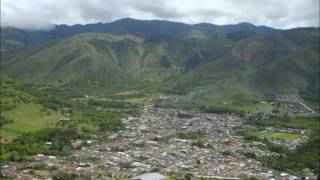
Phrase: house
(150, 176)
(63, 121)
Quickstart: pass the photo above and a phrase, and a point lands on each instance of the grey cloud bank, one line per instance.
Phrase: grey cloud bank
(42, 14)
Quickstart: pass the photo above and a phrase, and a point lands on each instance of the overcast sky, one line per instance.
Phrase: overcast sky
(41, 14)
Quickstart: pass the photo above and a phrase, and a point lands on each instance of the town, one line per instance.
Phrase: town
(169, 142)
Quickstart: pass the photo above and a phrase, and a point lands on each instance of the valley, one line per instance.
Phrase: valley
(136, 98)
(172, 142)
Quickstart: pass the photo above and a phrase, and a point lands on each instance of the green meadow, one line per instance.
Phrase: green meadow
(283, 136)
(28, 118)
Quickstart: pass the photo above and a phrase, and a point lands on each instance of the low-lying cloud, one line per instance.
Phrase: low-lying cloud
(43, 14)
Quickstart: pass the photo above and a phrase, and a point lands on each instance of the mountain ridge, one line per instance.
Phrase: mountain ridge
(12, 37)
(98, 62)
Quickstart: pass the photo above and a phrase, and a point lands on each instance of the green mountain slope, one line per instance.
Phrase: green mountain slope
(14, 38)
(245, 69)
(21, 111)
(88, 61)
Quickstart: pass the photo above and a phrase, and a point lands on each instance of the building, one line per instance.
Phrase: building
(64, 121)
(150, 176)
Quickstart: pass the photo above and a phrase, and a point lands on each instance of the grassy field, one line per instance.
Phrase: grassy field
(139, 100)
(27, 118)
(131, 92)
(296, 123)
(147, 100)
(305, 156)
(253, 107)
(282, 136)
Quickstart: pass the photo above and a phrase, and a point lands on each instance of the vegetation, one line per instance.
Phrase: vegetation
(4, 121)
(305, 156)
(97, 119)
(111, 104)
(220, 110)
(201, 144)
(295, 123)
(152, 31)
(35, 143)
(29, 123)
(94, 78)
(22, 110)
(28, 118)
(193, 135)
(218, 70)
(282, 136)
(251, 133)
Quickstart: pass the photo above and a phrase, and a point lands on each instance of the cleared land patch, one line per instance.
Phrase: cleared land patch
(28, 118)
(283, 136)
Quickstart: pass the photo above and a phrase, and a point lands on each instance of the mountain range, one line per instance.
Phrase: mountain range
(240, 62)
(12, 37)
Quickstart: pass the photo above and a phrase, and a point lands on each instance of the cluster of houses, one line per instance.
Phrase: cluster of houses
(294, 104)
(165, 141)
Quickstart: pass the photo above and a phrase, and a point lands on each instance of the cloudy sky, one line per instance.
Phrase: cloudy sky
(41, 14)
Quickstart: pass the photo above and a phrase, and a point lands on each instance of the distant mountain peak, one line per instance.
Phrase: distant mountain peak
(245, 24)
(140, 28)
(127, 19)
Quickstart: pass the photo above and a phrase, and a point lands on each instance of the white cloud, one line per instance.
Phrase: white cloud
(41, 14)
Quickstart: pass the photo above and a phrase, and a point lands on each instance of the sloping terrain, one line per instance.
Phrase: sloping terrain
(14, 38)
(249, 67)
(21, 111)
(89, 61)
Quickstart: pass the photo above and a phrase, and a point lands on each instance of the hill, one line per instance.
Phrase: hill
(15, 38)
(21, 111)
(217, 69)
(91, 61)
